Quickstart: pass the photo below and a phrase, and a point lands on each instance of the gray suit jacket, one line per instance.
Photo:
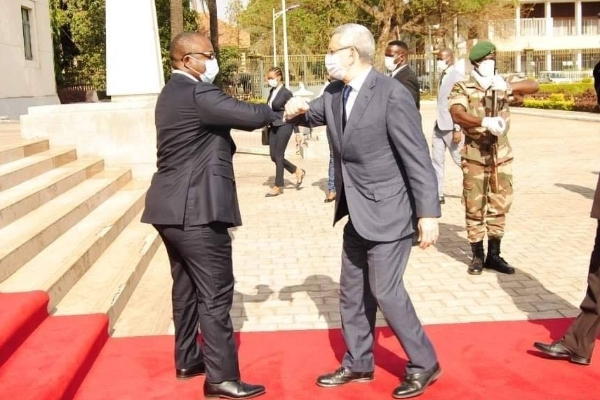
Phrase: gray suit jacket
(443, 117)
(383, 173)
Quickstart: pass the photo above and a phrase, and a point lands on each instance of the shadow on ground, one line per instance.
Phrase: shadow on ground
(582, 190)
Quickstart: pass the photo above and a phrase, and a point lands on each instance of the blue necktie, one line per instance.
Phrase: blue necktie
(345, 94)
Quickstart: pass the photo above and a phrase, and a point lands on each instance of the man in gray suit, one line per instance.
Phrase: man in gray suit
(384, 181)
(446, 135)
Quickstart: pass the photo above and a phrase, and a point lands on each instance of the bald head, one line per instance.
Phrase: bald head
(186, 43)
(447, 55)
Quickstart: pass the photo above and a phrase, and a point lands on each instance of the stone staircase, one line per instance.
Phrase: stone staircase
(71, 227)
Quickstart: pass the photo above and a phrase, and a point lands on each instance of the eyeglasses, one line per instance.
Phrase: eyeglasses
(332, 52)
(208, 54)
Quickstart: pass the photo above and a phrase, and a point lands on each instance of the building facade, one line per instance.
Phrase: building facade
(549, 35)
(26, 57)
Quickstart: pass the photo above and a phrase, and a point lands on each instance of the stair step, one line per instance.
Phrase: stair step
(25, 238)
(149, 310)
(107, 286)
(23, 148)
(52, 362)
(19, 171)
(27, 196)
(20, 314)
(58, 267)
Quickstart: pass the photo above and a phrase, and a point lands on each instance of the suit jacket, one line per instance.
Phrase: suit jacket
(278, 106)
(195, 183)
(596, 203)
(408, 78)
(383, 172)
(443, 117)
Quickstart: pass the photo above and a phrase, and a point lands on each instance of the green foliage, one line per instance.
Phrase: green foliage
(565, 88)
(229, 62)
(566, 105)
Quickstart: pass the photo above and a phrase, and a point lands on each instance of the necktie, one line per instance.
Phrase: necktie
(442, 78)
(345, 94)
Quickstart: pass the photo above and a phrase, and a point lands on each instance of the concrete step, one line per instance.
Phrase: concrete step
(23, 148)
(58, 267)
(27, 196)
(25, 238)
(107, 286)
(19, 171)
(149, 310)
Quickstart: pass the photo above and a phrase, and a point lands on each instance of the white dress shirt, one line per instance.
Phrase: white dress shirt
(355, 84)
(273, 95)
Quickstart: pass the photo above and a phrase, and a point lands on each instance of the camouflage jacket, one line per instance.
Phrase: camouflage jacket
(477, 102)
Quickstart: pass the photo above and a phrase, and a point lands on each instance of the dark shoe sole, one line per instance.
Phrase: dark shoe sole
(273, 195)
(188, 376)
(474, 272)
(358, 380)
(419, 392)
(575, 359)
(222, 396)
(501, 272)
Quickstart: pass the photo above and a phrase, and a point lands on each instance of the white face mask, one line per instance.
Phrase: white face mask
(487, 68)
(272, 82)
(212, 69)
(334, 69)
(390, 65)
(442, 65)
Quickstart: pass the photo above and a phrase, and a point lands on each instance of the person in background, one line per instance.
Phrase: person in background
(331, 174)
(396, 61)
(279, 136)
(446, 134)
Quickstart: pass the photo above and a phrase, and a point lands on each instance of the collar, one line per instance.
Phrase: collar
(359, 80)
(400, 68)
(449, 69)
(178, 71)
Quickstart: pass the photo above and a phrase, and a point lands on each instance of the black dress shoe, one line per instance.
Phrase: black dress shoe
(559, 351)
(187, 373)
(233, 390)
(343, 375)
(415, 384)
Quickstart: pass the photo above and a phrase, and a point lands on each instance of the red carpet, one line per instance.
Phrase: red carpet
(61, 358)
(491, 361)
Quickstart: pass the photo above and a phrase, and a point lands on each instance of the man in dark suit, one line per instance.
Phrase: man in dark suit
(192, 201)
(384, 178)
(577, 343)
(596, 74)
(396, 61)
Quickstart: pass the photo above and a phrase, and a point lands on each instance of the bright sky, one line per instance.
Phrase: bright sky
(222, 8)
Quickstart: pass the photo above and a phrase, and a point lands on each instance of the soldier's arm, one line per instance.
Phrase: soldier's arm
(458, 104)
(520, 87)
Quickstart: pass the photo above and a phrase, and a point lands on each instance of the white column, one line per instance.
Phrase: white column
(578, 19)
(518, 21)
(518, 61)
(548, 16)
(133, 60)
(548, 61)
(579, 60)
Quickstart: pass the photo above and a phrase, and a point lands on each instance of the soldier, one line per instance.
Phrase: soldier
(479, 104)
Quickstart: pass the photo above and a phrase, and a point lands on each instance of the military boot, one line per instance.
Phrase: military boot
(494, 261)
(476, 265)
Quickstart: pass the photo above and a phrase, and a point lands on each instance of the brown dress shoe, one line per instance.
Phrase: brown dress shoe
(342, 376)
(330, 197)
(415, 384)
(559, 351)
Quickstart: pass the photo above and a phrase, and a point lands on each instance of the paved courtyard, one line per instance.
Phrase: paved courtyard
(287, 254)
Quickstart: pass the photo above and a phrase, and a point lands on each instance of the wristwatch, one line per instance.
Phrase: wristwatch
(457, 128)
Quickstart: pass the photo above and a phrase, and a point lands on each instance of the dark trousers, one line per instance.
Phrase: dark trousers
(202, 271)
(372, 276)
(581, 335)
(278, 140)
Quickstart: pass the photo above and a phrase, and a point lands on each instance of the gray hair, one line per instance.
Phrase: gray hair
(359, 37)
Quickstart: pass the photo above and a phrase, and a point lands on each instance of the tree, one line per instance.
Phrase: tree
(176, 17)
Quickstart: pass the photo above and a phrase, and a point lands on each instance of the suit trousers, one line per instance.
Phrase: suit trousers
(581, 335)
(202, 271)
(441, 141)
(372, 276)
(278, 141)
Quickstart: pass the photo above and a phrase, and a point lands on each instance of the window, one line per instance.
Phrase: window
(26, 18)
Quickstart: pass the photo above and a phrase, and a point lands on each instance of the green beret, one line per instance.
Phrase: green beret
(480, 50)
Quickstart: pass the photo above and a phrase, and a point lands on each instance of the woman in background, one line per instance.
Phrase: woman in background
(279, 136)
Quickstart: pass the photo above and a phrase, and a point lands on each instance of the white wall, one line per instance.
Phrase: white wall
(25, 83)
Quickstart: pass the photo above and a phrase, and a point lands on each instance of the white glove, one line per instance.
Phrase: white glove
(498, 83)
(496, 125)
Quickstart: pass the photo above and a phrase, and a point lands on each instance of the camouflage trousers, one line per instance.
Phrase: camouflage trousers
(485, 210)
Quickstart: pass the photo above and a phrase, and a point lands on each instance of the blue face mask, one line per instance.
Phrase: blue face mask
(211, 70)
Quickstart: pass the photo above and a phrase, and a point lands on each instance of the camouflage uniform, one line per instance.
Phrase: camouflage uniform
(486, 199)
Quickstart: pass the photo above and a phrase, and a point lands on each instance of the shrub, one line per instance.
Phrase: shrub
(566, 105)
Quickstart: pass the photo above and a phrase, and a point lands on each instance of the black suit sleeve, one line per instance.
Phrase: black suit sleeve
(410, 81)
(218, 109)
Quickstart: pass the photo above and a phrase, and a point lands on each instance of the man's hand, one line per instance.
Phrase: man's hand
(456, 136)
(294, 107)
(496, 125)
(428, 232)
(498, 83)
